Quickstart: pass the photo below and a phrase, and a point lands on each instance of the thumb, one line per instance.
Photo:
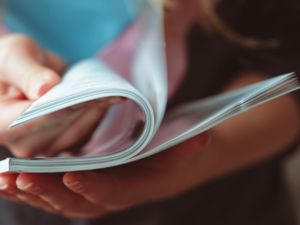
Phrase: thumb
(22, 65)
(179, 154)
(192, 146)
(35, 79)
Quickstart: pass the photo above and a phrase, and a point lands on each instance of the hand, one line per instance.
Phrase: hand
(26, 73)
(92, 194)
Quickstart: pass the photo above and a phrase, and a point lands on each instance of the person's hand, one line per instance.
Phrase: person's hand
(26, 73)
(92, 194)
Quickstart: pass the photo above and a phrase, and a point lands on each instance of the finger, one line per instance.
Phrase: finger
(10, 197)
(63, 130)
(8, 186)
(133, 183)
(80, 129)
(177, 155)
(7, 180)
(106, 188)
(78, 132)
(50, 188)
(21, 63)
(36, 136)
(9, 111)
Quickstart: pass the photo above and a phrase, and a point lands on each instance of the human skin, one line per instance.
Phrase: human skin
(27, 72)
(270, 128)
(237, 143)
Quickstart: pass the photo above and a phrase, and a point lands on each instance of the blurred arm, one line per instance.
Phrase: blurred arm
(249, 138)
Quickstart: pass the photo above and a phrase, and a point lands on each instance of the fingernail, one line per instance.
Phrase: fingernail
(76, 186)
(4, 187)
(35, 188)
(44, 80)
(44, 87)
(25, 187)
(40, 82)
(115, 100)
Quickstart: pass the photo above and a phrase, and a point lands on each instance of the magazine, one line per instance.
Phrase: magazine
(138, 127)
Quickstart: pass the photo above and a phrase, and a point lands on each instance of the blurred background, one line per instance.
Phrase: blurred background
(292, 171)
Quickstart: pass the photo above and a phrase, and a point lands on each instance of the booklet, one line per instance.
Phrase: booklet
(138, 127)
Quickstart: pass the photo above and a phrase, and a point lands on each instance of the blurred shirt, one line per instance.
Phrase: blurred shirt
(74, 29)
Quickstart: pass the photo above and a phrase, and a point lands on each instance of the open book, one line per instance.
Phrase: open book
(138, 127)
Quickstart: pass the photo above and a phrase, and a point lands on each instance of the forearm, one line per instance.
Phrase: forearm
(246, 139)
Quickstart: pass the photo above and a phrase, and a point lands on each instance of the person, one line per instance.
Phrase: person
(230, 175)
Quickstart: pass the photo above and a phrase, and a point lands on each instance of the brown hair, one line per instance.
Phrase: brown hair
(213, 24)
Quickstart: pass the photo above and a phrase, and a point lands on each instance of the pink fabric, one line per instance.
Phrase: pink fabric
(119, 55)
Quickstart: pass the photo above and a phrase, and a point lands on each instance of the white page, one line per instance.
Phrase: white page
(195, 117)
(184, 122)
(87, 75)
(77, 86)
(185, 119)
(149, 76)
(149, 79)
(149, 73)
(128, 126)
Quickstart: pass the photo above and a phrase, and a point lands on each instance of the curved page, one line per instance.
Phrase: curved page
(137, 119)
(127, 127)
